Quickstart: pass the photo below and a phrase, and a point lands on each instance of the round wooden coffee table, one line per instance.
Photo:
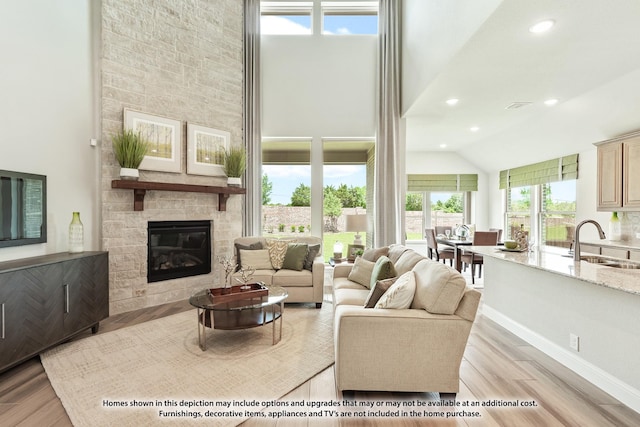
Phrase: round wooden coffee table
(238, 310)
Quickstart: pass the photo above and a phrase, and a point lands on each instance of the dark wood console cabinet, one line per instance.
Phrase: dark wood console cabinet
(47, 299)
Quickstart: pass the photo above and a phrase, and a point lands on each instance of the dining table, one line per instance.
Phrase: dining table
(457, 244)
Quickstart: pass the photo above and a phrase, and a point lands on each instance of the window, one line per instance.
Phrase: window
(286, 187)
(558, 213)
(542, 198)
(346, 178)
(553, 207)
(349, 17)
(286, 18)
(431, 209)
(446, 201)
(518, 212)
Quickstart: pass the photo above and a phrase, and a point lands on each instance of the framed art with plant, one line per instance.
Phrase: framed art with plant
(164, 136)
(206, 148)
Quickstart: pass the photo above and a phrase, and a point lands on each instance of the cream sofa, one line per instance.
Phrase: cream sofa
(302, 286)
(413, 349)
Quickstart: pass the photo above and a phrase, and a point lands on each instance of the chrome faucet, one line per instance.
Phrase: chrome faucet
(576, 249)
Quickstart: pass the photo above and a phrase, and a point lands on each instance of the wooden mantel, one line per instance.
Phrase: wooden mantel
(140, 190)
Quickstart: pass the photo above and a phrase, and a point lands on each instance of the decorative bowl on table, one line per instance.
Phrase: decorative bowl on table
(510, 244)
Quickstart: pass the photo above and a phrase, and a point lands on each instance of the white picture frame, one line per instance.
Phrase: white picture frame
(165, 139)
(205, 150)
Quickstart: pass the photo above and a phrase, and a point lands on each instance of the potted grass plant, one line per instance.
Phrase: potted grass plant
(235, 163)
(129, 149)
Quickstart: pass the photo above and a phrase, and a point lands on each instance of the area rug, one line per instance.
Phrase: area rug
(155, 373)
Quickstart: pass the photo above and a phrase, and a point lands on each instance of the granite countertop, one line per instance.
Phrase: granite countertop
(633, 244)
(626, 280)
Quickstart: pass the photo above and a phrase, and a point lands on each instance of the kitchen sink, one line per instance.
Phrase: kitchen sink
(625, 265)
(594, 259)
(610, 262)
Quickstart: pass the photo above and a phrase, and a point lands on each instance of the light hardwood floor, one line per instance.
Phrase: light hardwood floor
(497, 366)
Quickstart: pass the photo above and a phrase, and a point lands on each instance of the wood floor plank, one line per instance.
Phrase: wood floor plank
(495, 389)
(553, 369)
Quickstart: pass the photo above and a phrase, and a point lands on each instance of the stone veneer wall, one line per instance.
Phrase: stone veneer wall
(180, 59)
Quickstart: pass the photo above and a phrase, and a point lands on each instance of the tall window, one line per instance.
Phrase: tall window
(345, 177)
(286, 187)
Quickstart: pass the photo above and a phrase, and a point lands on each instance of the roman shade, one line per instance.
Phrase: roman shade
(442, 182)
(560, 169)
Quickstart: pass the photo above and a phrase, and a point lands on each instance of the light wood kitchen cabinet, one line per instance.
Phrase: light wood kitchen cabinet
(619, 173)
(631, 173)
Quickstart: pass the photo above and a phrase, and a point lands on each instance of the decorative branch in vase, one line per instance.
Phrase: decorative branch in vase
(246, 272)
(229, 265)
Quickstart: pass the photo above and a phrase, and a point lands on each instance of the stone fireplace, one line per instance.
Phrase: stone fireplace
(191, 71)
(178, 249)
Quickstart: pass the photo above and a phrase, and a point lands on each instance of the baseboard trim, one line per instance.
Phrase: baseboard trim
(617, 388)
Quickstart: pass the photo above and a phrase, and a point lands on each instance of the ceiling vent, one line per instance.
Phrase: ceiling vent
(516, 105)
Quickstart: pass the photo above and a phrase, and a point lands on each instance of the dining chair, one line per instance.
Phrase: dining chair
(480, 238)
(441, 252)
(440, 230)
(499, 230)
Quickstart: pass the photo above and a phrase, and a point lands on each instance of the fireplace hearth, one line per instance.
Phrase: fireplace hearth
(178, 249)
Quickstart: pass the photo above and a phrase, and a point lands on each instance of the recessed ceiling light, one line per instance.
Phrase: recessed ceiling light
(452, 101)
(474, 128)
(551, 102)
(443, 145)
(542, 26)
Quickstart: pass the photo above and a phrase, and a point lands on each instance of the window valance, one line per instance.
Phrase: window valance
(442, 182)
(560, 169)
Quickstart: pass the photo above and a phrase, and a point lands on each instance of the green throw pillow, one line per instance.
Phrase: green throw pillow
(295, 256)
(314, 250)
(382, 269)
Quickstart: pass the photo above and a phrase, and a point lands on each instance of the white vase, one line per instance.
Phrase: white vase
(234, 181)
(129, 173)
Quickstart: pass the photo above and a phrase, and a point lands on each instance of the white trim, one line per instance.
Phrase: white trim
(600, 378)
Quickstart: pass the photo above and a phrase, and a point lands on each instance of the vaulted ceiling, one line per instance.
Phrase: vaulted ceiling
(483, 54)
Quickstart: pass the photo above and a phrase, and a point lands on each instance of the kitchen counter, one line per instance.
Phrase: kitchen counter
(626, 280)
(618, 244)
(584, 315)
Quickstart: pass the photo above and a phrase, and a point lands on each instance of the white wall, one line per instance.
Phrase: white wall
(47, 111)
(318, 86)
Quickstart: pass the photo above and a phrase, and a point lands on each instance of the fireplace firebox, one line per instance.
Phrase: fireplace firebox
(178, 249)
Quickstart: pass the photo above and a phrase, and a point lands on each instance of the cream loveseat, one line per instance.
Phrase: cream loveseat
(304, 285)
(415, 349)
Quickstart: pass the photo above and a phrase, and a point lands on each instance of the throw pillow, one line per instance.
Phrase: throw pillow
(375, 253)
(253, 246)
(361, 272)
(382, 269)
(400, 294)
(314, 250)
(378, 290)
(277, 251)
(257, 258)
(295, 256)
